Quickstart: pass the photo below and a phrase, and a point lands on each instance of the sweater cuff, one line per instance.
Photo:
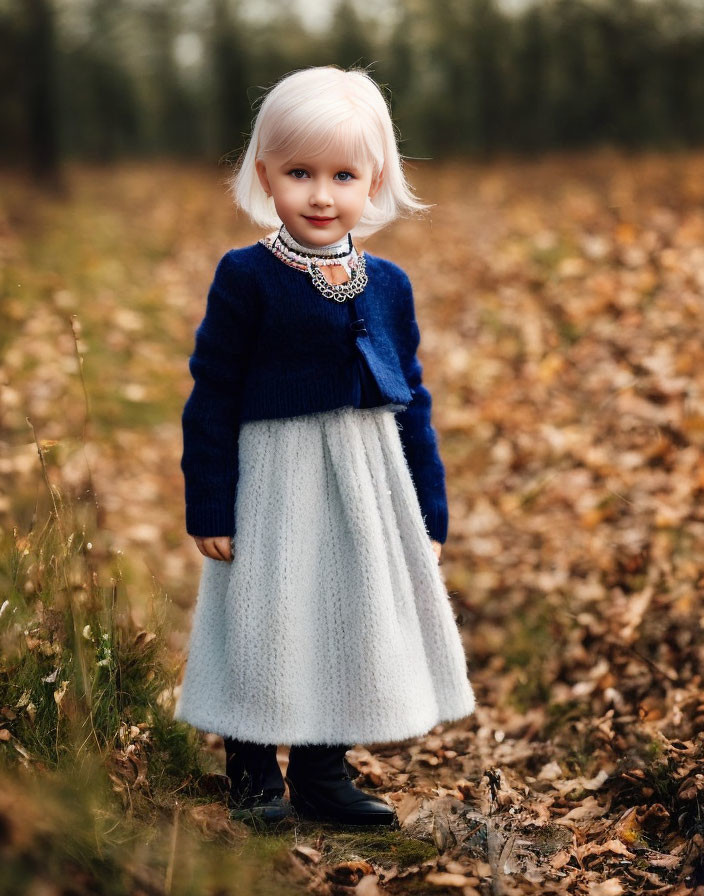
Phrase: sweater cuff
(436, 523)
(210, 520)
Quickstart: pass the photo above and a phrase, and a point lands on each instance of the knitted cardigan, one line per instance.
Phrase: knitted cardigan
(270, 345)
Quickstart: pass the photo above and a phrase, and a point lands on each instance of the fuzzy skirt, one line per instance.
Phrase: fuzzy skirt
(332, 624)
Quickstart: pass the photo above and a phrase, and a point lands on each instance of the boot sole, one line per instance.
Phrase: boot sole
(270, 814)
(310, 811)
(255, 815)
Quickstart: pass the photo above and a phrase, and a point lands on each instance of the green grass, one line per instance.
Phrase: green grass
(82, 709)
(383, 847)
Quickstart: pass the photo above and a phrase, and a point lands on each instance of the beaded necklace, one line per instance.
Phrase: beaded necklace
(311, 259)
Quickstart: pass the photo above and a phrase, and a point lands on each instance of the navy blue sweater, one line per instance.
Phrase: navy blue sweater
(270, 345)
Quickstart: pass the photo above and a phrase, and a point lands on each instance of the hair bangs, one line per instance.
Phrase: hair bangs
(308, 133)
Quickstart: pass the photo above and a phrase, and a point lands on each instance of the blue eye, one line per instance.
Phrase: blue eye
(345, 176)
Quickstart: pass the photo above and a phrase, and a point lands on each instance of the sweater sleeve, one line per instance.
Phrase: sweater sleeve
(210, 419)
(418, 436)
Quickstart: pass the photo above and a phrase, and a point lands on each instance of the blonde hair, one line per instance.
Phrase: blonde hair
(310, 110)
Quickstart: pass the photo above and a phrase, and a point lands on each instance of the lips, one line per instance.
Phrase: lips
(317, 220)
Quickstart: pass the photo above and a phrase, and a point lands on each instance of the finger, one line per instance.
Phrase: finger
(219, 554)
(206, 547)
(226, 547)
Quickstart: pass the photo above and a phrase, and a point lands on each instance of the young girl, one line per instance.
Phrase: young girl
(324, 622)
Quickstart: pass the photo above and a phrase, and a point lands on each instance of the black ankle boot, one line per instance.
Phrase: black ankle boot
(320, 788)
(256, 783)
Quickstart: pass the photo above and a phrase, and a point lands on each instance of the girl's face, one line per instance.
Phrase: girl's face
(319, 198)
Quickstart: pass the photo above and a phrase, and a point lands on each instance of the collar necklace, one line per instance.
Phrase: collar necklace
(330, 254)
(305, 258)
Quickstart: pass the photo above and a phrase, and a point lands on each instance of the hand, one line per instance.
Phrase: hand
(437, 547)
(218, 547)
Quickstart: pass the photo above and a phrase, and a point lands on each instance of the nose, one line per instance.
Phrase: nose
(320, 194)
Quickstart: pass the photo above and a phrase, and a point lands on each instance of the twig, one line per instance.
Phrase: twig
(73, 321)
(495, 849)
(172, 857)
(48, 484)
(668, 676)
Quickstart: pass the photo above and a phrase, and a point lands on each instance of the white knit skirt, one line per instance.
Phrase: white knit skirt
(333, 623)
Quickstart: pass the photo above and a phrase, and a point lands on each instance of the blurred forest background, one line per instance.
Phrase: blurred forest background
(559, 285)
(102, 79)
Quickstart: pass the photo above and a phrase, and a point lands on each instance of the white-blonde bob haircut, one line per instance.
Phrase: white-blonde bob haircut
(315, 109)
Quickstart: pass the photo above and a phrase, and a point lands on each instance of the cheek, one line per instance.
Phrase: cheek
(355, 199)
(287, 196)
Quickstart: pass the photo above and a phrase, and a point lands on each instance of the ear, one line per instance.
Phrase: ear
(261, 174)
(376, 184)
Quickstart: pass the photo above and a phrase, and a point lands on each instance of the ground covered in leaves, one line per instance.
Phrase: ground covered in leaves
(561, 304)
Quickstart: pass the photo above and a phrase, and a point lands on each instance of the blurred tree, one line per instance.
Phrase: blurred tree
(576, 74)
(683, 93)
(682, 26)
(230, 77)
(349, 41)
(414, 82)
(485, 34)
(176, 119)
(632, 69)
(527, 100)
(36, 63)
(101, 115)
(13, 147)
